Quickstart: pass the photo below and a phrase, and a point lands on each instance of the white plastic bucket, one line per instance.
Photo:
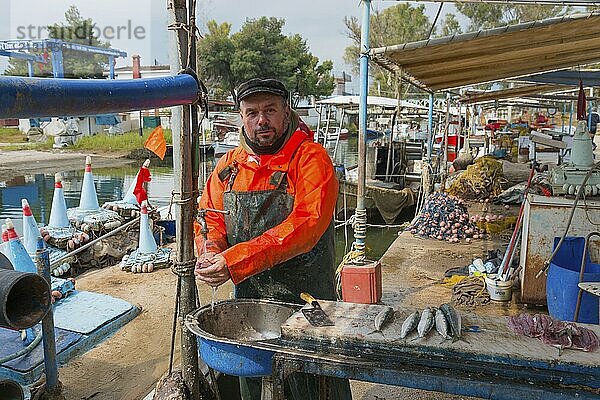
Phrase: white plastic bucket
(498, 290)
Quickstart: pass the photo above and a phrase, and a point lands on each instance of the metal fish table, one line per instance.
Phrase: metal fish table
(492, 362)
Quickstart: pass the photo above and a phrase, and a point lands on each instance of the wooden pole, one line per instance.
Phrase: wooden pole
(185, 197)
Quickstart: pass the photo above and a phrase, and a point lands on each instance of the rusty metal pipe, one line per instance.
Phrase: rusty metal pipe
(24, 299)
(10, 390)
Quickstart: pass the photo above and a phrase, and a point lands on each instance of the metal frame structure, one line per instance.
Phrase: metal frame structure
(437, 375)
(15, 48)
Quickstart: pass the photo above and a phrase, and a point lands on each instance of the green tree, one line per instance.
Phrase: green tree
(76, 64)
(215, 51)
(486, 16)
(398, 24)
(260, 49)
(451, 26)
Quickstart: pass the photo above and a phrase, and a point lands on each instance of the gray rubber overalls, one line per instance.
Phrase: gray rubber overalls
(250, 215)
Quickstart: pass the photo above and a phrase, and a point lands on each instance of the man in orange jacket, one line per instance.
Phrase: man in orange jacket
(277, 240)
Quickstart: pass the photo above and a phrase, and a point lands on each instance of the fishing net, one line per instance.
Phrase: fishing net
(470, 292)
(444, 217)
(481, 180)
(498, 226)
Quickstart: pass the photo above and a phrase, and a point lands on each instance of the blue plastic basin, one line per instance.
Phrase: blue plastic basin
(237, 337)
(234, 359)
(562, 281)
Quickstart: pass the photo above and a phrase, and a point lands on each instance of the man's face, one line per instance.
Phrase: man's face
(265, 117)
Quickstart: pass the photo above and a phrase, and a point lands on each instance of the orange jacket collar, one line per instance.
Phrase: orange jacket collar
(281, 159)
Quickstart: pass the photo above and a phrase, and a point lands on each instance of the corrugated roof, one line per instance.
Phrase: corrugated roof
(495, 54)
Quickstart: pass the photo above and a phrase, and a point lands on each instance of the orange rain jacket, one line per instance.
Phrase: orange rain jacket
(312, 182)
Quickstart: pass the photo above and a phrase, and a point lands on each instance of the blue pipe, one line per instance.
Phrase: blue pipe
(111, 67)
(43, 97)
(48, 338)
(58, 68)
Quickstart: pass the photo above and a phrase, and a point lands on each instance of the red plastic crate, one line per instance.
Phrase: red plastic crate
(362, 283)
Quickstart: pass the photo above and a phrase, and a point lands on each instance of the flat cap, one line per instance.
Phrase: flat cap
(258, 85)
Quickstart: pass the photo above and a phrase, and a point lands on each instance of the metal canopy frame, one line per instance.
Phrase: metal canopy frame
(511, 93)
(495, 54)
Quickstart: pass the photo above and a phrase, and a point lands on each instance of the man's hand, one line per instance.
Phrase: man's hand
(203, 259)
(213, 270)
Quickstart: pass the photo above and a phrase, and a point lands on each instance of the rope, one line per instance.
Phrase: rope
(346, 219)
(350, 221)
(183, 268)
(23, 351)
(360, 228)
(354, 256)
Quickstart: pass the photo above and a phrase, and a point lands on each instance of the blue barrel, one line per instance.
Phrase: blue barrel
(563, 277)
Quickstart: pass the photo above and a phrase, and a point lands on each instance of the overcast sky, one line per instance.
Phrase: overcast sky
(139, 26)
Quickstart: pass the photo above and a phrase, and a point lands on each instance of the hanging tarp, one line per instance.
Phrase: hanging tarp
(571, 78)
(48, 97)
(107, 119)
(495, 54)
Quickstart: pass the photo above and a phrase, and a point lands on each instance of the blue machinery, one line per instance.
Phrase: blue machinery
(16, 48)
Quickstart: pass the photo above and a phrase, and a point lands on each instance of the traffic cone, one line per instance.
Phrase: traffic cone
(129, 196)
(58, 213)
(4, 233)
(146, 244)
(89, 198)
(31, 232)
(17, 253)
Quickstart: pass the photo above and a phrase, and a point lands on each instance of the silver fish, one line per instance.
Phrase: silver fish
(454, 320)
(426, 322)
(382, 318)
(409, 324)
(441, 324)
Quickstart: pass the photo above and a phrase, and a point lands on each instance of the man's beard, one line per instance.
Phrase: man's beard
(265, 141)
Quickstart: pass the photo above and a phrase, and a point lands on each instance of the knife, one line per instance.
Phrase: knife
(315, 315)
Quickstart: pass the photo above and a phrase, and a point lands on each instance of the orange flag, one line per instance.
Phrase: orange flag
(156, 142)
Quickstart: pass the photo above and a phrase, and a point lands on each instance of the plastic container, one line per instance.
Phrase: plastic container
(233, 338)
(562, 281)
(498, 290)
(362, 283)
